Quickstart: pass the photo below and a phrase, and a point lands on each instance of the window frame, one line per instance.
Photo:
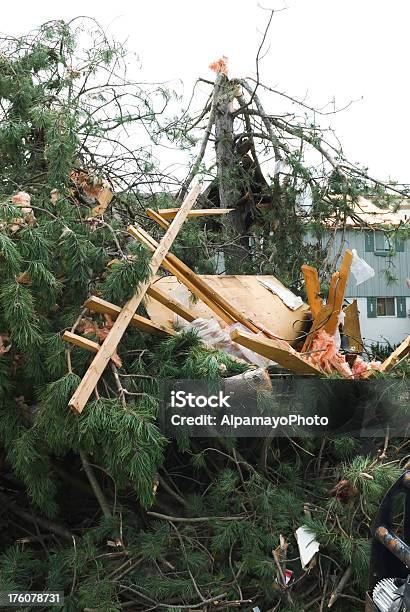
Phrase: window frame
(387, 245)
(385, 298)
(396, 245)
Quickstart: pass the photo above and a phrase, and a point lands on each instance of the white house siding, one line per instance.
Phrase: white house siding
(382, 329)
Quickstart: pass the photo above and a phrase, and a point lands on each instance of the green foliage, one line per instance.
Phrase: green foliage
(134, 461)
(220, 506)
(124, 277)
(10, 257)
(19, 314)
(380, 351)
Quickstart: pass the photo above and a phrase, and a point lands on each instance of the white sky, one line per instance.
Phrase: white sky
(342, 49)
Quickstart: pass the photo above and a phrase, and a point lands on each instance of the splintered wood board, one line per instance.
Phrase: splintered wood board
(401, 351)
(274, 351)
(244, 292)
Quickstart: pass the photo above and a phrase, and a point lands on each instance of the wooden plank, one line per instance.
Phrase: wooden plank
(273, 350)
(84, 343)
(97, 304)
(325, 313)
(157, 218)
(169, 213)
(337, 300)
(170, 303)
(213, 299)
(401, 351)
(248, 294)
(198, 287)
(312, 285)
(141, 235)
(331, 294)
(328, 315)
(109, 346)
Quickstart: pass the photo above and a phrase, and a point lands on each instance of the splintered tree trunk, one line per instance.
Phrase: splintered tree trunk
(229, 176)
(225, 157)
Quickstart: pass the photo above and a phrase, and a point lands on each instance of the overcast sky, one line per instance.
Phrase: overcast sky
(323, 49)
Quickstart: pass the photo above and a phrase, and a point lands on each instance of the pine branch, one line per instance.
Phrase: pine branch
(95, 485)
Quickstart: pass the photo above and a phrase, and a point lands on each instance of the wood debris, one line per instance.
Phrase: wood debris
(401, 351)
(109, 346)
(268, 323)
(249, 295)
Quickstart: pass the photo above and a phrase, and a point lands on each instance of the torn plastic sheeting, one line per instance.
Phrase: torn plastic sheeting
(213, 335)
(307, 544)
(180, 295)
(291, 300)
(305, 200)
(360, 269)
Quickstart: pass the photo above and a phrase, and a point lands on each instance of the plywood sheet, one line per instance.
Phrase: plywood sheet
(245, 292)
(351, 328)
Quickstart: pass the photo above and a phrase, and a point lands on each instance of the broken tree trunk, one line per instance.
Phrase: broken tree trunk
(250, 381)
(229, 179)
(224, 144)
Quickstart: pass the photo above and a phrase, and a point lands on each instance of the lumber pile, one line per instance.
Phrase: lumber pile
(249, 294)
(259, 312)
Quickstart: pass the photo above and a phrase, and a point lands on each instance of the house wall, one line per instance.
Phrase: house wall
(397, 265)
(382, 329)
(378, 329)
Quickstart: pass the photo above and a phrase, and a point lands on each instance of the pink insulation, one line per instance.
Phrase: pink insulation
(323, 353)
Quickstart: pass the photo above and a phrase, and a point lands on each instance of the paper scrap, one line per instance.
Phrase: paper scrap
(307, 544)
(291, 300)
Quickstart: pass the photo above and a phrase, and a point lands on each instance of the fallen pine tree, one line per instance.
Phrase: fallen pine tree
(100, 505)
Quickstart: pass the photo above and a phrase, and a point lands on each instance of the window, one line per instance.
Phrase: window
(380, 243)
(386, 307)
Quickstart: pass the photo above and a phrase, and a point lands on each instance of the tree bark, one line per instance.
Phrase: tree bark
(225, 157)
(252, 380)
(229, 172)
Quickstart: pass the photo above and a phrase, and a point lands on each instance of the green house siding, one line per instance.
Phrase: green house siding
(386, 268)
(401, 307)
(369, 242)
(371, 308)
